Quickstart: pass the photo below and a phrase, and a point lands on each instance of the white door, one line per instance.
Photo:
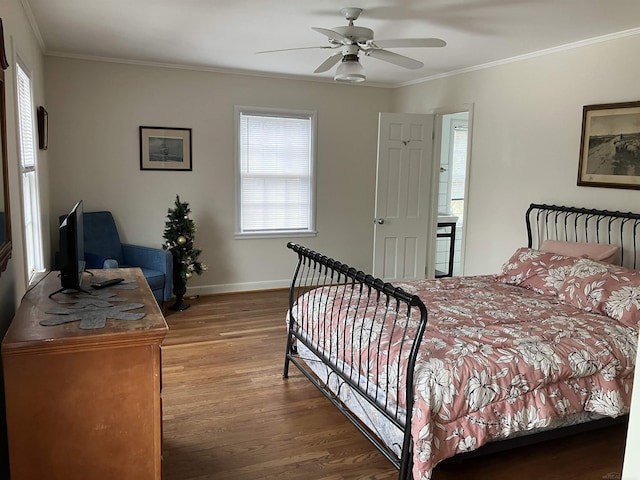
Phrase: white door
(404, 228)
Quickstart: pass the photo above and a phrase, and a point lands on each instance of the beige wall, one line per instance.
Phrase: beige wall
(19, 40)
(95, 109)
(526, 126)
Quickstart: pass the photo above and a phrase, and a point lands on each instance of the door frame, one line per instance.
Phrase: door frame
(437, 151)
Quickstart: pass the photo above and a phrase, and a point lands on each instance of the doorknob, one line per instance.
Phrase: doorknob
(379, 221)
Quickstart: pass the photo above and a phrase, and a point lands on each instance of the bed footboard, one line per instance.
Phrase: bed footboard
(327, 301)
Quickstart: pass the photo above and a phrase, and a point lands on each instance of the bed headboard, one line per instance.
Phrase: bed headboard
(573, 224)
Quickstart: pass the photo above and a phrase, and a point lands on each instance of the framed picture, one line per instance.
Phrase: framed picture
(163, 148)
(610, 146)
(43, 128)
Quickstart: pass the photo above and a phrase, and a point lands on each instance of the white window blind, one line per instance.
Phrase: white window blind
(459, 170)
(459, 161)
(275, 172)
(31, 205)
(25, 109)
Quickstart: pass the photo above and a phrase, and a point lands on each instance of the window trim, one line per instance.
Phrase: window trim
(312, 115)
(38, 247)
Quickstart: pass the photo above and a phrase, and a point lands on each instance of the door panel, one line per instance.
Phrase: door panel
(390, 254)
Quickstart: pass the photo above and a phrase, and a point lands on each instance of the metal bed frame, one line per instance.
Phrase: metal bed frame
(395, 307)
(392, 306)
(573, 224)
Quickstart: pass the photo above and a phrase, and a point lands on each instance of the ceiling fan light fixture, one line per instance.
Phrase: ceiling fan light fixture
(350, 70)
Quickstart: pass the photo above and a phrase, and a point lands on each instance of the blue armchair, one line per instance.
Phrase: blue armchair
(102, 249)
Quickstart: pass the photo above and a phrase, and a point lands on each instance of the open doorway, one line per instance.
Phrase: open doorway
(452, 191)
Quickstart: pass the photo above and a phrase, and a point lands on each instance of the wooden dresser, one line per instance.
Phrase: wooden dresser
(84, 404)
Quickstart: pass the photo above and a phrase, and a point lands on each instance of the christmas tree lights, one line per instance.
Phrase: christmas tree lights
(179, 232)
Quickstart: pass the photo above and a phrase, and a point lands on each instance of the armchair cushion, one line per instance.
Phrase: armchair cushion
(93, 260)
(103, 249)
(156, 264)
(101, 236)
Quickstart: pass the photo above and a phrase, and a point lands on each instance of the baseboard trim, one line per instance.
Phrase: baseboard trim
(236, 287)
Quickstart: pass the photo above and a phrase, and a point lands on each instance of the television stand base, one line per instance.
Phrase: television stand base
(70, 291)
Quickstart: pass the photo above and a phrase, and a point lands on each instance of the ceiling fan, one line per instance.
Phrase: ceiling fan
(352, 40)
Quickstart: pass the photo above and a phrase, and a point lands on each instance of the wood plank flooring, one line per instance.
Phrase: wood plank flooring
(229, 414)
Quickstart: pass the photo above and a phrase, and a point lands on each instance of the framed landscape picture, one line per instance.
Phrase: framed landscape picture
(610, 146)
(163, 148)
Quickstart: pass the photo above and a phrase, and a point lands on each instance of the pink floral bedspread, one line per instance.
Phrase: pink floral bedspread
(497, 359)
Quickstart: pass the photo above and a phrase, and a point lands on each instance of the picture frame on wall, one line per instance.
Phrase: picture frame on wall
(43, 128)
(165, 148)
(610, 146)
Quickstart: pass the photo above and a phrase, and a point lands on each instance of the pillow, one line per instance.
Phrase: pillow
(543, 272)
(605, 252)
(605, 289)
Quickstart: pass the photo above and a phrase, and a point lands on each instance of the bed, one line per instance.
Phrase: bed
(432, 369)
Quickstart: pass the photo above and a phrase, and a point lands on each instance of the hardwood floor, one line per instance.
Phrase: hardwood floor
(229, 414)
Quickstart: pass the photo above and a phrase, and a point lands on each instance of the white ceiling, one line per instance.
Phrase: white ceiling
(224, 35)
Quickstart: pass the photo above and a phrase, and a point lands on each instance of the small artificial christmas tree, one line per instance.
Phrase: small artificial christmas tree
(179, 231)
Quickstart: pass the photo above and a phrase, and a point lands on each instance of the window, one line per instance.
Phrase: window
(30, 202)
(458, 167)
(275, 165)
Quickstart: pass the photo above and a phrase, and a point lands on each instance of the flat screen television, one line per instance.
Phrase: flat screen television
(72, 250)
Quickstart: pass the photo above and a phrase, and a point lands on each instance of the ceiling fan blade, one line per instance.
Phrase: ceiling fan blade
(328, 63)
(332, 35)
(324, 47)
(408, 43)
(394, 58)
